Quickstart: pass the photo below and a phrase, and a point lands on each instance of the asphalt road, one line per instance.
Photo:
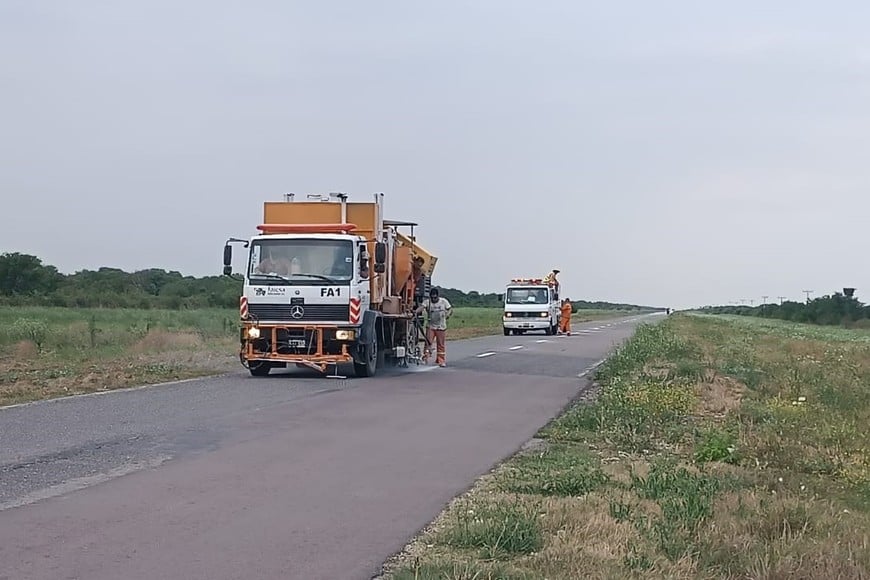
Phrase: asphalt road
(280, 477)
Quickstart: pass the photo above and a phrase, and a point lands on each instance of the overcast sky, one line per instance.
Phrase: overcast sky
(665, 153)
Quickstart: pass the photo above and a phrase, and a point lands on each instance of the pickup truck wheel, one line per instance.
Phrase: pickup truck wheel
(259, 369)
(507, 332)
(548, 331)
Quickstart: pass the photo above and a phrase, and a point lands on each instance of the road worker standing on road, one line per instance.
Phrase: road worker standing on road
(438, 310)
(565, 322)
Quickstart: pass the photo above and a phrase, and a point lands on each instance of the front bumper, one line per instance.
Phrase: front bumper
(313, 345)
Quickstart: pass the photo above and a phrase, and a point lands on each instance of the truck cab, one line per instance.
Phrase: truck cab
(531, 304)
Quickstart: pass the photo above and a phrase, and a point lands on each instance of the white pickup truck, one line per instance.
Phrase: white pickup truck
(531, 304)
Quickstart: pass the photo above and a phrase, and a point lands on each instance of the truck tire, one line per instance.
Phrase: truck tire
(548, 331)
(373, 356)
(507, 332)
(259, 369)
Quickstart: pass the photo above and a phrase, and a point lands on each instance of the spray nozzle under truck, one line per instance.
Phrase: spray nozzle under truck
(330, 281)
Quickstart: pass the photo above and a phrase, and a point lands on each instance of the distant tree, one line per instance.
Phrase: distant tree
(24, 279)
(25, 275)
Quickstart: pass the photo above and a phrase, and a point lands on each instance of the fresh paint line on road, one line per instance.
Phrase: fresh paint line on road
(485, 354)
(542, 341)
(423, 369)
(518, 347)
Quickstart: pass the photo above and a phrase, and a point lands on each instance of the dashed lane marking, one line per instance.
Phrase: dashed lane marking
(518, 347)
(485, 354)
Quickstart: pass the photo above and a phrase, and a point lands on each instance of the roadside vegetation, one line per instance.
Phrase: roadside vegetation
(48, 352)
(837, 309)
(712, 447)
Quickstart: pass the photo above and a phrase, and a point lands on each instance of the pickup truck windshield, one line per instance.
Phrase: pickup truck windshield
(527, 296)
(301, 261)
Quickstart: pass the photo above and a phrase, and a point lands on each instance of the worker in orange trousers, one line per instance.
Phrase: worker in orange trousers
(565, 322)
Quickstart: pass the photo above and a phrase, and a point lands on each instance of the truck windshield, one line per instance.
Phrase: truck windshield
(302, 261)
(527, 296)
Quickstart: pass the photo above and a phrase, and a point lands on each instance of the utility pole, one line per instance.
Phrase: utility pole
(763, 303)
(807, 292)
(781, 298)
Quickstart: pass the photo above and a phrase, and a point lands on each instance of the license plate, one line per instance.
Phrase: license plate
(298, 343)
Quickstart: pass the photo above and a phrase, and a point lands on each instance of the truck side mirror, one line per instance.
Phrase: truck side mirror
(380, 254)
(228, 260)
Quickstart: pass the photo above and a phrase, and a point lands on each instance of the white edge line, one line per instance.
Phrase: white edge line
(541, 341)
(518, 347)
(80, 483)
(112, 391)
(592, 368)
(485, 354)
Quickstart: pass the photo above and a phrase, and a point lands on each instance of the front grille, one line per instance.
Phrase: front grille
(313, 312)
(526, 315)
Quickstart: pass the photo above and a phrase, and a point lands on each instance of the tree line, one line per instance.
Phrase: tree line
(26, 280)
(832, 309)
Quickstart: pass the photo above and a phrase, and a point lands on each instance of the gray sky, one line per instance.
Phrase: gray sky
(661, 153)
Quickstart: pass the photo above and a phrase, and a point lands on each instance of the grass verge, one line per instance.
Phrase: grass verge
(715, 448)
(53, 352)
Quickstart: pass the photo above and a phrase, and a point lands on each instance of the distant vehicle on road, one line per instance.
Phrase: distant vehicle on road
(531, 304)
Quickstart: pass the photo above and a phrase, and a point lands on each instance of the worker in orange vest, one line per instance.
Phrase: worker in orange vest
(565, 322)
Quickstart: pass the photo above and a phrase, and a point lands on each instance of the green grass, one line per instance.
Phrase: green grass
(718, 447)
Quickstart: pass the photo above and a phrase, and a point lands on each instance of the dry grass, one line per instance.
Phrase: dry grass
(717, 449)
(158, 340)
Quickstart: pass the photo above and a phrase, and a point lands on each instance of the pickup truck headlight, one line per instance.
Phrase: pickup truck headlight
(545, 314)
(345, 334)
(254, 332)
(508, 314)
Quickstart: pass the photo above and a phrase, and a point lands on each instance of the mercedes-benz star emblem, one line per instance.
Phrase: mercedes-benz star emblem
(297, 312)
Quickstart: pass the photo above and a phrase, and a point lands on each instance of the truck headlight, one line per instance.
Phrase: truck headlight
(508, 314)
(254, 332)
(545, 314)
(345, 334)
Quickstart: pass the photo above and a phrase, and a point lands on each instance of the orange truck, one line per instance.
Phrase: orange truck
(329, 281)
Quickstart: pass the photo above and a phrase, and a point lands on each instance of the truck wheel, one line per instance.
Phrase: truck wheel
(370, 366)
(507, 332)
(548, 331)
(259, 369)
